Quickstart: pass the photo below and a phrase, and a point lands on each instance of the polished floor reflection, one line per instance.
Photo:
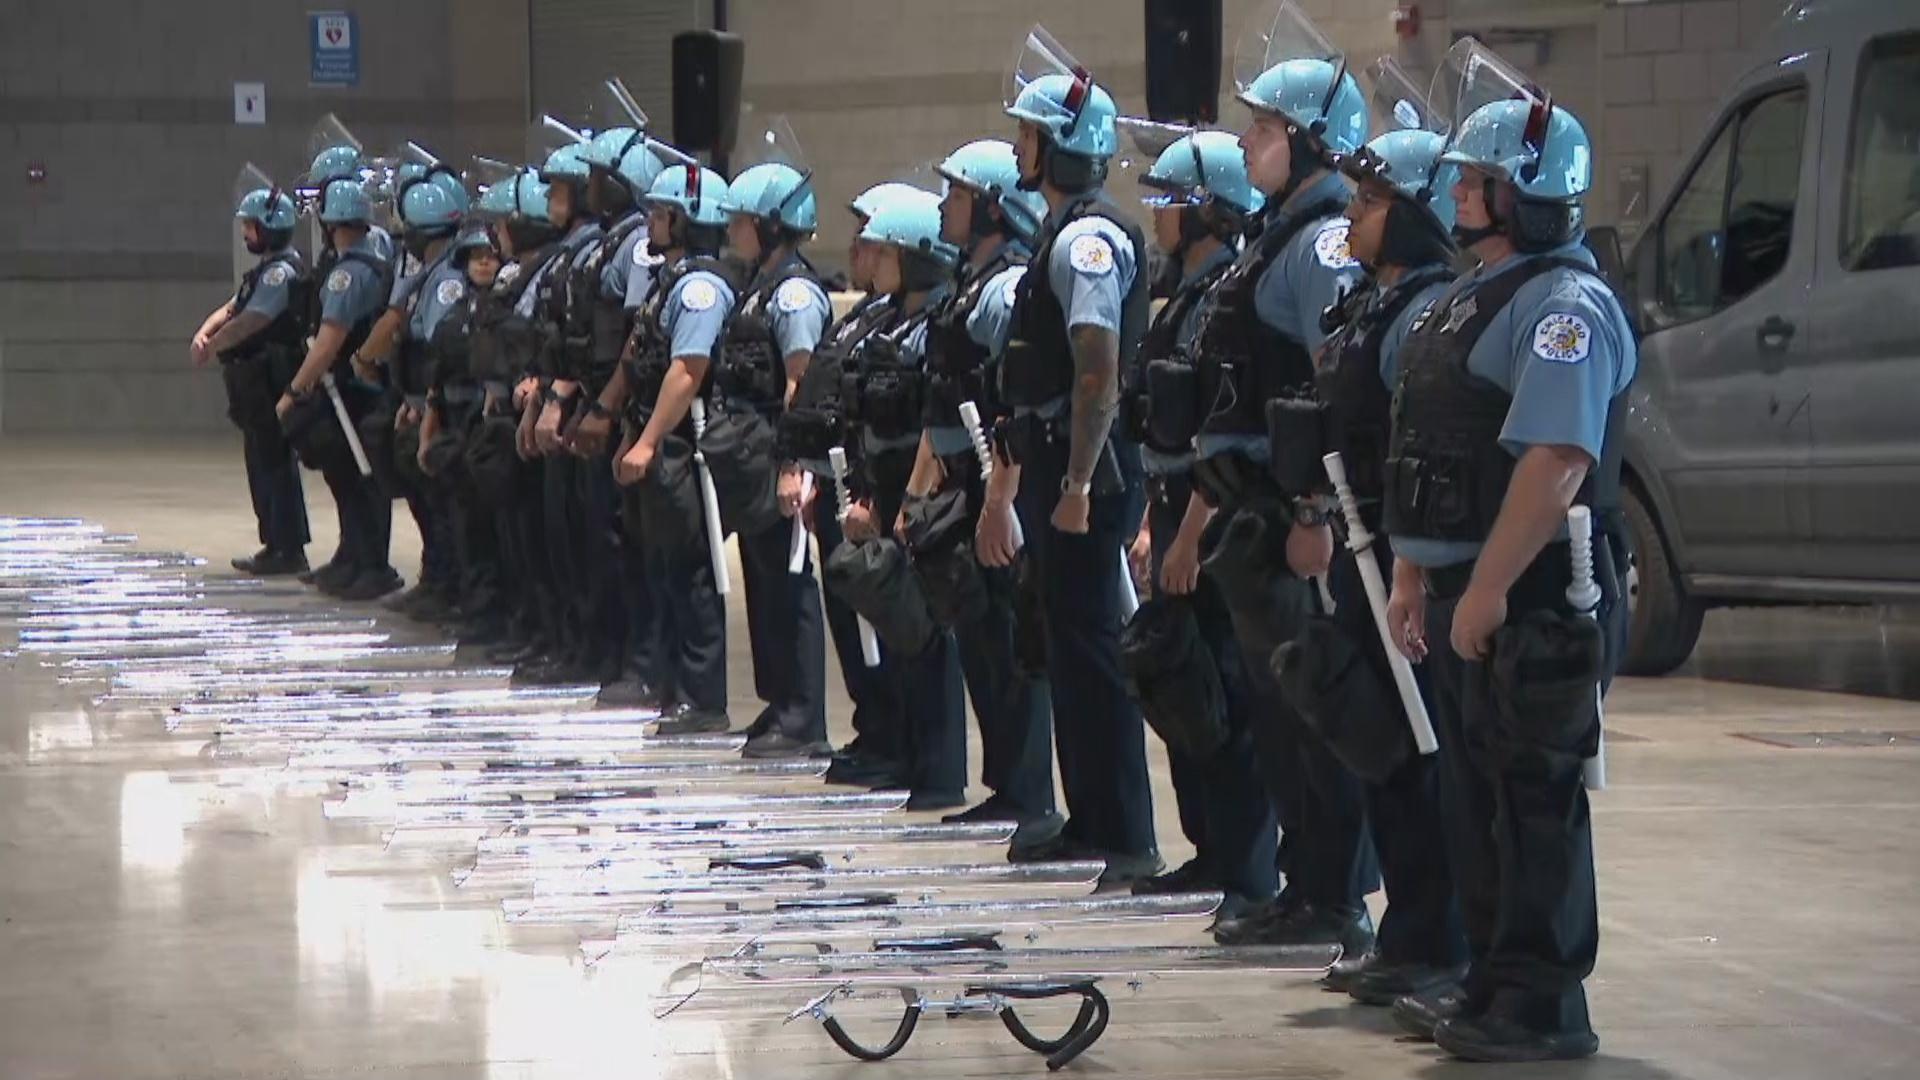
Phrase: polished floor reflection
(163, 915)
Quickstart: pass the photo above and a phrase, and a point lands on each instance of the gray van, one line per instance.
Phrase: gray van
(1772, 451)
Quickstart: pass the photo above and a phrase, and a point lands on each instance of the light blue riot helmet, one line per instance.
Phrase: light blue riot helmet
(1508, 128)
(694, 195)
(345, 202)
(909, 221)
(776, 193)
(1056, 93)
(1317, 96)
(270, 208)
(638, 168)
(469, 241)
(990, 169)
(1420, 220)
(1206, 167)
(334, 163)
(426, 214)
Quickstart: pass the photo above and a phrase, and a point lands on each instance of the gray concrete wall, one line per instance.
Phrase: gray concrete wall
(107, 266)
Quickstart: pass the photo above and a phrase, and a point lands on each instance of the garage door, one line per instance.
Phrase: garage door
(575, 43)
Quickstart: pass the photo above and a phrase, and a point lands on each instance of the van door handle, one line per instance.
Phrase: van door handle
(1775, 333)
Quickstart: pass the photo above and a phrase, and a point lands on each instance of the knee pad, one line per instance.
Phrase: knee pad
(1173, 676)
(1345, 698)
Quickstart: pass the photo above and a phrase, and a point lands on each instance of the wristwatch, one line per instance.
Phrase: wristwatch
(1309, 512)
(1068, 487)
(594, 408)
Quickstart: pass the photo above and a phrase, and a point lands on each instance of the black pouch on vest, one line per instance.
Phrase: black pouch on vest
(1345, 698)
(669, 499)
(808, 434)
(1173, 677)
(1544, 677)
(874, 579)
(738, 448)
(1173, 420)
(1297, 436)
(939, 536)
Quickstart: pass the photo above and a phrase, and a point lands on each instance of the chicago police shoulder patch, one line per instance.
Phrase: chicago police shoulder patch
(1091, 254)
(276, 275)
(698, 295)
(1562, 338)
(1330, 246)
(339, 280)
(794, 296)
(450, 291)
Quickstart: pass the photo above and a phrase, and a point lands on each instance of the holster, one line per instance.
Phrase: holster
(1173, 676)
(668, 500)
(1297, 436)
(738, 448)
(873, 578)
(939, 532)
(1345, 697)
(1544, 674)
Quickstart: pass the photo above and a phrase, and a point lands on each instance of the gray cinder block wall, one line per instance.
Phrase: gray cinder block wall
(108, 265)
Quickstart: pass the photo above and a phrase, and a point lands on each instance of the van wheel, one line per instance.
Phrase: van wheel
(1665, 621)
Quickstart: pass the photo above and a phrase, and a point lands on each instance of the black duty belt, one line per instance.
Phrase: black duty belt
(1550, 570)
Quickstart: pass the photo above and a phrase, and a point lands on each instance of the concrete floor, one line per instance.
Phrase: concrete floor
(161, 918)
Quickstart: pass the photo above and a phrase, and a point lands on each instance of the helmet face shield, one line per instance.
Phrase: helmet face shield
(1472, 77)
(1044, 63)
(1281, 33)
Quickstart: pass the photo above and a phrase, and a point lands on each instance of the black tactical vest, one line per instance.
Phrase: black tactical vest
(957, 366)
(751, 370)
(1160, 404)
(652, 345)
(287, 333)
(603, 321)
(358, 333)
(1359, 408)
(450, 347)
(1038, 365)
(1243, 361)
(506, 343)
(883, 388)
(566, 306)
(1446, 472)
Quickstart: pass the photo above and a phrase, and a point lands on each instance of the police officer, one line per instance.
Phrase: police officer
(257, 337)
(602, 292)
(677, 332)
(1401, 214)
(1256, 345)
(429, 215)
(1511, 390)
(583, 650)
(1077, 322)
(885, 387)
(1202, 203)
(993, 222)
(778, 321)
(809, 428)
(352, 295)
(506, 346)
(453, 424)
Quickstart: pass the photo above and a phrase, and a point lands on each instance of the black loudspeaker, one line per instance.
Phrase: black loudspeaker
(1183, 60)
(706, 90)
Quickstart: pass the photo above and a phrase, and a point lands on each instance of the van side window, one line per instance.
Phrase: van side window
(1731, 228)
(1881, 218)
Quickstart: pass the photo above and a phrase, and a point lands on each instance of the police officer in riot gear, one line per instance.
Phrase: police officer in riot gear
(1401, 212)
(1512, 386)
(602, 296)
(257, 336)
(777, 322)
(677, 333)
(993, 222)
(809, 428)
(1255, 346)
(1077, 322)
(882, 396)
(1201, 204)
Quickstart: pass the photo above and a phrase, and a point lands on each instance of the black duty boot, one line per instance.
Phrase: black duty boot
(1493, 1037)
(1384, 982)
(1349, 969)
(684, 719)
(774, 743)
(1189, 876)
(629, 692)
(1420, 1014)
(270, 563)
(368, 585)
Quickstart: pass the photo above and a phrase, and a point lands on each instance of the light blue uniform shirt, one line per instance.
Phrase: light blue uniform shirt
(441, 287)
(1091, 269)
(987, 325)
(695, 314)
(269, 299)
(1563, 348)
(352, 291)
(1305, 279)
(627, 274)
(1157, 463)
(798, 312)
